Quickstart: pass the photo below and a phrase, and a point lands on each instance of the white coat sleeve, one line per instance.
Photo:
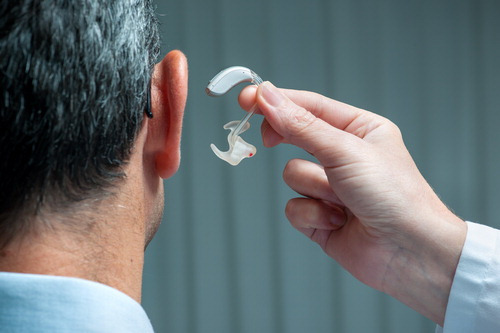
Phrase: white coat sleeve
(474, 301)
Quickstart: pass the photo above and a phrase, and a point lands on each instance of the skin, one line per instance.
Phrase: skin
(111, 249)
(365, 202)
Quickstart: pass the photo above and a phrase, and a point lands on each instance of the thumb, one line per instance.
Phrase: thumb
(302, 128)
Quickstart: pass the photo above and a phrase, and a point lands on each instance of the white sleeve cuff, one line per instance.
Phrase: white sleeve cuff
(474, 301)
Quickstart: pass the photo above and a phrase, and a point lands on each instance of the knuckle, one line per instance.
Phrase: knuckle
(299, 119)
(395, 130)
(391, 129)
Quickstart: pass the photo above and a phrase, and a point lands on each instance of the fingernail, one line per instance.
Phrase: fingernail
(271, 94)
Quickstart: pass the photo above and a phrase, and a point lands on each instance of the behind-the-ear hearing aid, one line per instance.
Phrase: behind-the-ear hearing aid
(218, 86)
(148, 102)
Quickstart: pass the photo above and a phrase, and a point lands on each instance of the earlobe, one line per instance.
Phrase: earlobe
(168, 100)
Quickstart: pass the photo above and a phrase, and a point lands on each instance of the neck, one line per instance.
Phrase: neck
(103, 241)
(111, 252)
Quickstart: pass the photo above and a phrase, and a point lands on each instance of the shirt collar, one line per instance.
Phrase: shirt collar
(46, 303)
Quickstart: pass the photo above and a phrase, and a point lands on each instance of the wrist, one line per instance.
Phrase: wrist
(421, 272)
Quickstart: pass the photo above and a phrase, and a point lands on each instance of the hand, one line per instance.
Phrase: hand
(366, 204)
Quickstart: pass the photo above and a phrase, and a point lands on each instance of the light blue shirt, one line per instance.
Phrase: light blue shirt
(474, 301)
(42, 303)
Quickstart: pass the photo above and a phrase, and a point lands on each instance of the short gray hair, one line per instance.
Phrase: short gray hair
(74, 77)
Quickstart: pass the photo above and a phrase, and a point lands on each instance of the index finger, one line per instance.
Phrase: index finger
(335, 113)
(300, 127)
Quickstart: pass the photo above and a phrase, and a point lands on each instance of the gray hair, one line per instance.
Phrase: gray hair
(74, 77)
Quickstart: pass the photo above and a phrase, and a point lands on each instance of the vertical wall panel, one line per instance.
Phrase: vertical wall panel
(225, 258)
(489, 45)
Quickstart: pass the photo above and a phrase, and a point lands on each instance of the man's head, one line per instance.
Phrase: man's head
(74, 78)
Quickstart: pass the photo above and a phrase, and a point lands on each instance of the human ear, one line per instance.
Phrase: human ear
(168, 100)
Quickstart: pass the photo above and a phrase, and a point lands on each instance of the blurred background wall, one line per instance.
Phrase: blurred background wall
(225, 258)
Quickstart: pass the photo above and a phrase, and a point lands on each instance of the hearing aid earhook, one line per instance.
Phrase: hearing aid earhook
(218, 86)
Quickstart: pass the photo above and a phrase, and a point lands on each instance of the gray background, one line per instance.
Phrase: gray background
(225, 258)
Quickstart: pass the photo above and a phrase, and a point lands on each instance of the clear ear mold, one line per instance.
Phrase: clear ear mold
(218, 86)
